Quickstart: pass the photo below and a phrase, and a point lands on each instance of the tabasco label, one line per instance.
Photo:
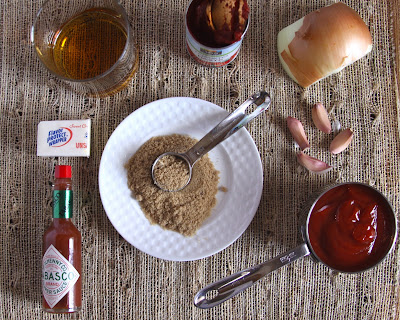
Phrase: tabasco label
(58, 276)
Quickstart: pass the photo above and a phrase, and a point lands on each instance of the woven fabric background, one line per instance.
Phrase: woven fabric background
(120, 282)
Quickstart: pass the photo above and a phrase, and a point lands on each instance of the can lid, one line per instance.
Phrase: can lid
(62, 172)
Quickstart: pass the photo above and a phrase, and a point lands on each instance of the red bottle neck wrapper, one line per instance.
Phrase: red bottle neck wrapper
(62, 172)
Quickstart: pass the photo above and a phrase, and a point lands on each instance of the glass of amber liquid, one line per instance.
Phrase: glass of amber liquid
(87, 43)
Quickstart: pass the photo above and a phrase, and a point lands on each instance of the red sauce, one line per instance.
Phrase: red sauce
(62, 251)
(351, 227)
(66, 238)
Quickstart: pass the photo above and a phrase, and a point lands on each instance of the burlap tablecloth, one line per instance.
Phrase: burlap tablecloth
(120, 282)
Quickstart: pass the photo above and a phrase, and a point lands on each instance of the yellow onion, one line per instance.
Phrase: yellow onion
(323, 43)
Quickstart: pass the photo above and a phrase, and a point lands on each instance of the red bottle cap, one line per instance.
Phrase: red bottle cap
(62, 172)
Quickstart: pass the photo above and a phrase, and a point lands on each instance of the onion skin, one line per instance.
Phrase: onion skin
(322, 43)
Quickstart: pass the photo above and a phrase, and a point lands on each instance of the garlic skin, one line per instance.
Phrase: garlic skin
(336, 126)
(320, 118)
(312, 164)
(298, 133)
(341, 141)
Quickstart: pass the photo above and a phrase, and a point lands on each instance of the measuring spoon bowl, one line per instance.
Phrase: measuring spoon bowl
(175, 180)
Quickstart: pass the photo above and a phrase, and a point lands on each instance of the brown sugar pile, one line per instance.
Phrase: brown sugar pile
(171, 172)
(182, 211)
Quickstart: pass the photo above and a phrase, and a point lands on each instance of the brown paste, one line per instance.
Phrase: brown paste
(182, 211)
(229, 33)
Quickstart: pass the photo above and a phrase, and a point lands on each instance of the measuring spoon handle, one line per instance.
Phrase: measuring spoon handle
(230, 286)
(229, 125)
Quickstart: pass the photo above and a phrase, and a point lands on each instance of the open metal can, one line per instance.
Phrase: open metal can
(207, 55)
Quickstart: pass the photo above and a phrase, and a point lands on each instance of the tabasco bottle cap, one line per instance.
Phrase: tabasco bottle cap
(62, 172)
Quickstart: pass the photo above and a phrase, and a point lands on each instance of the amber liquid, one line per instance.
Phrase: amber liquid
(89, 44)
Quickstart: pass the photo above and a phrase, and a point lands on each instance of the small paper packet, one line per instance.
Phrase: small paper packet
(66, 138)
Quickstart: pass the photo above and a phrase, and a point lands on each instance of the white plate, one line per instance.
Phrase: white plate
(237, 159)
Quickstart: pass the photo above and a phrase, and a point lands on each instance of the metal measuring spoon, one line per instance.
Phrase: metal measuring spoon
(222, 131)
(224, 289)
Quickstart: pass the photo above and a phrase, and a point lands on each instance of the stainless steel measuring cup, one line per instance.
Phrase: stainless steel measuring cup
(222, 131)
(224, 289)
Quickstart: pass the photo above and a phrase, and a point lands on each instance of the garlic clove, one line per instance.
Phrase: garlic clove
(312, 164)
(320, 118)
(298, 133)
(341, 141)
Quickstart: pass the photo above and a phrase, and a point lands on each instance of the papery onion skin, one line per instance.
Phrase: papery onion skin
(322, 43)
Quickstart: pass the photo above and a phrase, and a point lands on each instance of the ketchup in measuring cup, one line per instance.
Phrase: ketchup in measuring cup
(351, 227)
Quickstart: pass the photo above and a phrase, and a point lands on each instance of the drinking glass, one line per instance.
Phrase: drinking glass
(87, 43)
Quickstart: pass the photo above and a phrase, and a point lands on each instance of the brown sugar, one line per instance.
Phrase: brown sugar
(171, 172)
(182, 211)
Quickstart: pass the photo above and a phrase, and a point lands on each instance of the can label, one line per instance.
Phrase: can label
(62, 203)
(212, 57)
(58, 276)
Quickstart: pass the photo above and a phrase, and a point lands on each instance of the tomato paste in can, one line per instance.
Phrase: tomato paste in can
(211, 45)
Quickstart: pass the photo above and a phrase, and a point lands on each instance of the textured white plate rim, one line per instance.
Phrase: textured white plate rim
(255, 170)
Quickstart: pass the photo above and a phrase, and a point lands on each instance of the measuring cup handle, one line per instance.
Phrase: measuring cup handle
(230, 286)
(262, 100)
(229, 125)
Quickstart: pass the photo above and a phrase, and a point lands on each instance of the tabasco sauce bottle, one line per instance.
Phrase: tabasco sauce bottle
(62, 246)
